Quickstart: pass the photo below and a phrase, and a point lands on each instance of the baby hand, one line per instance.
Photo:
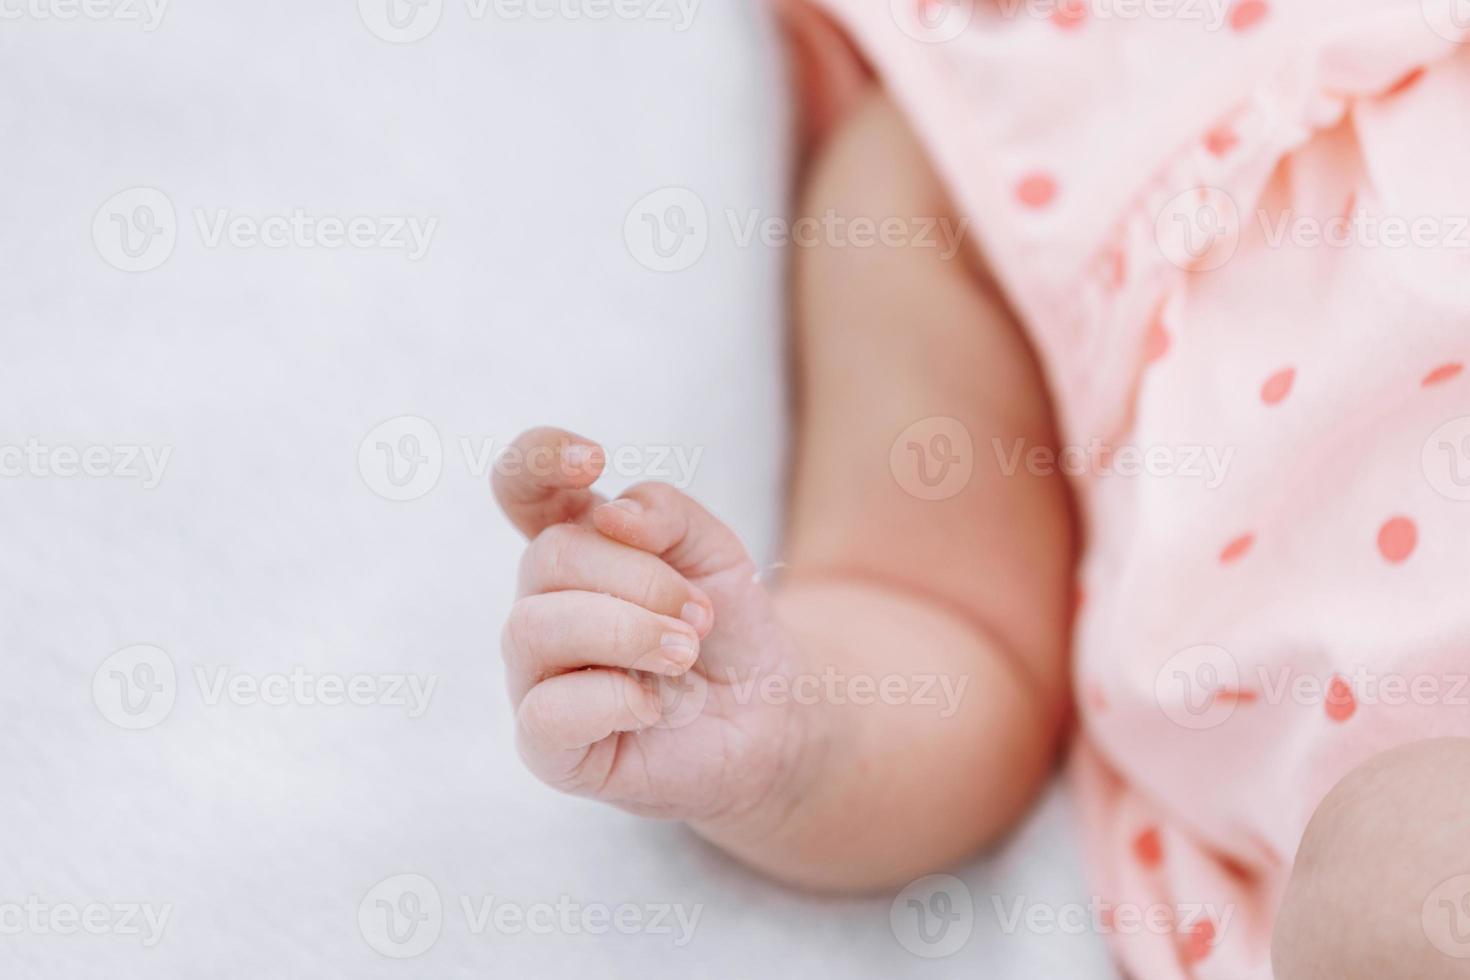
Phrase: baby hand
(635, 649)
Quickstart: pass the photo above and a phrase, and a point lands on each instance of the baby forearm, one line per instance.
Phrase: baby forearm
(920, 741)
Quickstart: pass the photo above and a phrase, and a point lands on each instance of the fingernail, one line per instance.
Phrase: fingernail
(628, 504)
(695, 615)
(679, 648)
(578, 455)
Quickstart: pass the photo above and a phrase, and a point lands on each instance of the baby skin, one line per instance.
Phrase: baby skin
(621, 601)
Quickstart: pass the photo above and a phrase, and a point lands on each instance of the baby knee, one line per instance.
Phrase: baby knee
(1373, 893)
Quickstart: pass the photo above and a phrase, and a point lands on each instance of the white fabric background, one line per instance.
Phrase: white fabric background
(263, 549)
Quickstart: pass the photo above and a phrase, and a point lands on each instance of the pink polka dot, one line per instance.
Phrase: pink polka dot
(1221, 140)
(1158, 341)
(1278, 386)
(1070, 14)
(1405, 83)
(1443, 373)
(1119, 268)
(1247, 14)
(1148, 847)
(1237, 548)
(1199, 942)
(1036, 190)
(1340, 703)
(1397, 539)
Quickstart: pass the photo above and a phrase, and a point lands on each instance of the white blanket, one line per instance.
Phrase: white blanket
(243, 686)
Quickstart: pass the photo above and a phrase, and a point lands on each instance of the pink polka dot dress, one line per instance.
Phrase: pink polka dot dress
(1238, 234)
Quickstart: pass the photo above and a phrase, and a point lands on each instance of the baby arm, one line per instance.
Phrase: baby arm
(975, 587)
(971, 590)
(1381, 883)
